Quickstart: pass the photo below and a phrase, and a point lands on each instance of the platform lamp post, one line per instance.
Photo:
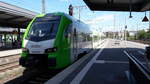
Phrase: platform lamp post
(125, 35)
(137, 29)
(18, 38)
(149, 21)
(100, 30)
(43, 6)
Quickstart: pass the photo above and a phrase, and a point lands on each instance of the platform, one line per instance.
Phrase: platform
(108, 66)
(10, 52)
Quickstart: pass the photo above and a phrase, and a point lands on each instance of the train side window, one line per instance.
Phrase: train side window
(68, 30)
(75, 31)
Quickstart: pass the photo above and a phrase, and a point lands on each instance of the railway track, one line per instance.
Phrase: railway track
(41, 78)
(34, 77)
(9, 66)
(28, 77)
(9, 62)
(8, 59)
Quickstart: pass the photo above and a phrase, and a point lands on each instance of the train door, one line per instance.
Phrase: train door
(0, 40)
(74, 48)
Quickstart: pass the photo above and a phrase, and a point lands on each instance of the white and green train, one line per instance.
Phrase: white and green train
(54, 40)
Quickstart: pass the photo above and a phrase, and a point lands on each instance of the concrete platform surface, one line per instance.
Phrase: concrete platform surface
(108, 66)
(10, 52)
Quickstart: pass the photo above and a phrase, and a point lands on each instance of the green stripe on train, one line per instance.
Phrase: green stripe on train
(63, 53)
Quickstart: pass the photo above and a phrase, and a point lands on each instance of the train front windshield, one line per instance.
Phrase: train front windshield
(43, 29)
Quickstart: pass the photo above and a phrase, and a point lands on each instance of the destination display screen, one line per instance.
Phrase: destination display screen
(47, 18)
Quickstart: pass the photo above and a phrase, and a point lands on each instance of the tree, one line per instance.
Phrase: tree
(141, 34)
(127, 33)
(147, 35)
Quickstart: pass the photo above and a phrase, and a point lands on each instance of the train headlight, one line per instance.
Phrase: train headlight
(25, 50)
(49, 50)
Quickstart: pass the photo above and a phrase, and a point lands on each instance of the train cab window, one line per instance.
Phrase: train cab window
(43, 29)
(75, 32)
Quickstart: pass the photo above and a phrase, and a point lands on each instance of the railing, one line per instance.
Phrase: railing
(140, 72)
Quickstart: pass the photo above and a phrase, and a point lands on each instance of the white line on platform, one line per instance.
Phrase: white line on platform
(100, 61)
(142, 53)
(82, 73)
(103, 61)
(139, 65)
(126, 53)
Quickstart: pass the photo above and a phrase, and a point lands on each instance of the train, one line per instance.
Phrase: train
(55, 40)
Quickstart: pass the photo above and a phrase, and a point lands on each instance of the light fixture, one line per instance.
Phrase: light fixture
(130, 5)
(145, 19)
(130, 15)
(125, 26)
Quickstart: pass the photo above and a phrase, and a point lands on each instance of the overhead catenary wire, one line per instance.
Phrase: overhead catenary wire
(79, 9)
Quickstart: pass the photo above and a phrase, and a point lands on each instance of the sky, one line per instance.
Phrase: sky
(98, 20)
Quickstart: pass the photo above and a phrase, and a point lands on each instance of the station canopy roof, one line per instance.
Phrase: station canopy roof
(118, 5)
(13, 16)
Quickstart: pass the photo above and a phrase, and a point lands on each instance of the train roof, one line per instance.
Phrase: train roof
(61, 13)
(74, 20)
